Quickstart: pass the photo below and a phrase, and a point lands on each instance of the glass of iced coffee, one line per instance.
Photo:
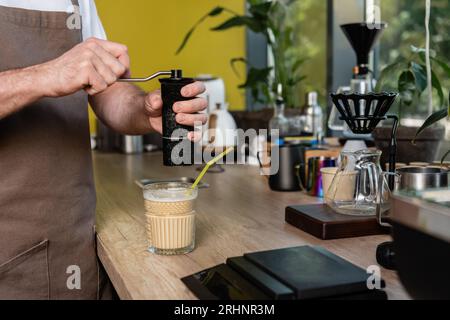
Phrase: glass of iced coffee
(170, 217)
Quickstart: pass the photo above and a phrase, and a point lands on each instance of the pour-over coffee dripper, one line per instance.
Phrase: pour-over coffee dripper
(363, 112)
(362, 37)
(174, 134)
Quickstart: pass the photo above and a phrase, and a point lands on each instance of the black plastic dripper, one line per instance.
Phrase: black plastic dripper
(363, 112)
(363, 36)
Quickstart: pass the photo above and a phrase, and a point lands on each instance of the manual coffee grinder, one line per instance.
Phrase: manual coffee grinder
(178, 150)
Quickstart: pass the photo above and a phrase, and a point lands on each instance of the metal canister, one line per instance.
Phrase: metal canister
(420, 179)
(132, 144)
(313, 183)
(313, 115)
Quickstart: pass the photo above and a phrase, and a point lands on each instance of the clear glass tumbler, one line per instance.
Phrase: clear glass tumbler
(170, 217)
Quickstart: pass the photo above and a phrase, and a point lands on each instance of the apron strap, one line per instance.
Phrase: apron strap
(76, 4)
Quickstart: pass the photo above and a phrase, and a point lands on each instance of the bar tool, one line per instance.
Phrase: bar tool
(177, 148)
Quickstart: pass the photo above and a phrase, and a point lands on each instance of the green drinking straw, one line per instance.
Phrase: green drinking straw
(209, 164)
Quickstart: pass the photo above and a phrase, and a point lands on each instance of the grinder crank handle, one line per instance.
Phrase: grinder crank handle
(174, 74)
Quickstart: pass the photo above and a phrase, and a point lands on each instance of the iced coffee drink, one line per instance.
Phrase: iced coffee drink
(170, 217)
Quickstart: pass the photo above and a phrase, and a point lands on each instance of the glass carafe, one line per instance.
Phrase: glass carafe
(355, 189)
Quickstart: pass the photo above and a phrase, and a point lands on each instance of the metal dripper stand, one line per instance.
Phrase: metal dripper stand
(362, 110)
(362, 38)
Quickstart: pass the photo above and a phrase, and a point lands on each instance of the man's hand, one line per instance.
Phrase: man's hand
(93, 65)
(187, 111)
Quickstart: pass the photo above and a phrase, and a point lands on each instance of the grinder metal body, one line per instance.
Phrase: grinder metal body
(178, 150)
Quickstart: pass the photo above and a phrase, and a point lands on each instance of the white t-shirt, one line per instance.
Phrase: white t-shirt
(91, 24)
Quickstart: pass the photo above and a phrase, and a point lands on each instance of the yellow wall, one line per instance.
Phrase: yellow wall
(153, 30)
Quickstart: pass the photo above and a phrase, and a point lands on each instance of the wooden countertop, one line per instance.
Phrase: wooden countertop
(236, 215)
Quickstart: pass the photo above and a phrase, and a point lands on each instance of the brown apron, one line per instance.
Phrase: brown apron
(47, 195)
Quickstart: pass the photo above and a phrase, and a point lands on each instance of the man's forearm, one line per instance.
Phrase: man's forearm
(19, 88)
(121, 107)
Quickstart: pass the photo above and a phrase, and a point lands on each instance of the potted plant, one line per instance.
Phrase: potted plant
(414, 143)
(268, 18)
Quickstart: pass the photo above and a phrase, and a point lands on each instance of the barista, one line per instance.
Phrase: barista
(48, 74)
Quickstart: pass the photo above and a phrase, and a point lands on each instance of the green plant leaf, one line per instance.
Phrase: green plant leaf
(255, 2)
(294, 81)
(420, 75)
(407, 87)
(436, 83)
(239, 21)
(256, 82)
(185, 40)
(256, 76)
(287, 37)
(390, 71)
(255, 94)
(433, 119)
(444, 66)
(233, 64)
(266, 92)
(290, 2)
(214, 12)
(417, 49)
(298, 63)
(422, 52)
(260, 10)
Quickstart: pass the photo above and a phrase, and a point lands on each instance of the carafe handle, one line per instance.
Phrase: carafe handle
(372, 171)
